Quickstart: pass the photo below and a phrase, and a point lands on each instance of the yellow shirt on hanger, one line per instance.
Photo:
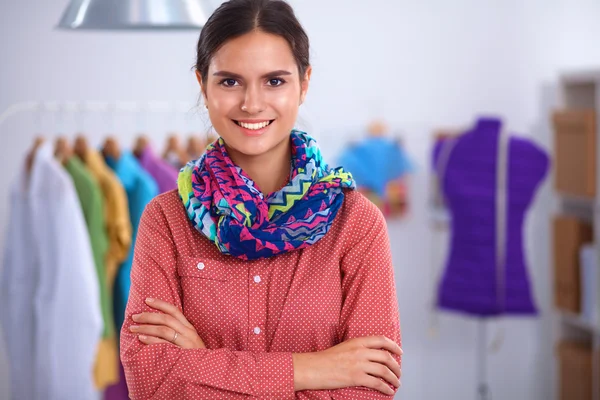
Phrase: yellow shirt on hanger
(118, 227)
(118, 224)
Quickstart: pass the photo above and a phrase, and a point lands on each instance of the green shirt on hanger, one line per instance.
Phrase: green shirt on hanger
(92, 205)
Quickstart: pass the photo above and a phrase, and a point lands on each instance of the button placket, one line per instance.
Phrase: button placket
(258, 311)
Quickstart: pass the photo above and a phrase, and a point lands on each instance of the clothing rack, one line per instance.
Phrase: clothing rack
(89, 106)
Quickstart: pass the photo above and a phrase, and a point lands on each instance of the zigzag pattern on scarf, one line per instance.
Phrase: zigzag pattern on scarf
(225, 205)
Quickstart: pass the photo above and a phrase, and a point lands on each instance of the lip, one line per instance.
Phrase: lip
(254, 121)
(253, 132)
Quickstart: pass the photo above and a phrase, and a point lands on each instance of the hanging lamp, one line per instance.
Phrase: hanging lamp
(136, 15)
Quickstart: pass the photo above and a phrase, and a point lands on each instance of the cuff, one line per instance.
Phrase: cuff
(278, 379)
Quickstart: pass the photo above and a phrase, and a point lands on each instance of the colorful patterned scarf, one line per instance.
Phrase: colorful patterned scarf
(224, 204)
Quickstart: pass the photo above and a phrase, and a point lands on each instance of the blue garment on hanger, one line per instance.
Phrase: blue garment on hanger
(140, 188)
(375, 161)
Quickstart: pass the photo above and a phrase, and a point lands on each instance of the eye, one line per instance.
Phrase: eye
(228, 82)
(276, 82)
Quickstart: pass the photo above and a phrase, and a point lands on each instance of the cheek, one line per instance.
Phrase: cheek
(221, 104)
(286, 104)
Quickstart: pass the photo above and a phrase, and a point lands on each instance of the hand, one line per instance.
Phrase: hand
(355, 362)
(169, 326)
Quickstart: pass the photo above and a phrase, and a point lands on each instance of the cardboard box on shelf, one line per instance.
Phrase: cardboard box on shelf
(575, 152)
(570, 234)
(575, 370)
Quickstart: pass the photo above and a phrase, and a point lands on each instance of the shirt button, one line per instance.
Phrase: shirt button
(200, 266)
(257, 330)
(257, 279)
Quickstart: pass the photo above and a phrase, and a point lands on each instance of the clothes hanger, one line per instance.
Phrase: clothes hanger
(140, 145)
(195, 146)
(37, 142)
(62, 150)
(80, 147)
(171, 145)
(174, 151)
(111, 148)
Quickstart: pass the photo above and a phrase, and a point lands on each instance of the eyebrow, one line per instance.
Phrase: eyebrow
(228, 74)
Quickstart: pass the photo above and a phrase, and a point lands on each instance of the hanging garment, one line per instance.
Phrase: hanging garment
(163, 173)
(488, 183)
(4, 366)
(92, 204)
(116, 214)
(376, 161)
(52, 315)
(226, 206)
(141, 189)
(17, 293)
(173, 158)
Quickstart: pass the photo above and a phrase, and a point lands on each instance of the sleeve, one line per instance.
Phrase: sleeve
(370, 305)
(164, 371)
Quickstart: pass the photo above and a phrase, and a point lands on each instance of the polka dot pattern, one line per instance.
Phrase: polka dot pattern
(252, 315)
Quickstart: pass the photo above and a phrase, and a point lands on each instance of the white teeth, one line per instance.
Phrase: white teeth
(260, 125)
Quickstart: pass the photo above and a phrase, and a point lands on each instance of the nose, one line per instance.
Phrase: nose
(253, 100)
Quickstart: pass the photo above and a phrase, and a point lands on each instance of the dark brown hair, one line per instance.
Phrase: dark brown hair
(235, 18)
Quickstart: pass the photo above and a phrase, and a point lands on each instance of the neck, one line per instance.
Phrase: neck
(269, 171)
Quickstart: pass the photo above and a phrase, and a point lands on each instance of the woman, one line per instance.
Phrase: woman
(265, 275)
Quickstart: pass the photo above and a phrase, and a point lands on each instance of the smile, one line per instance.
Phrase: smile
(254, 126)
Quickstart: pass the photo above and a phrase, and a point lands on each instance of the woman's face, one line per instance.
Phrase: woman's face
(253, 91)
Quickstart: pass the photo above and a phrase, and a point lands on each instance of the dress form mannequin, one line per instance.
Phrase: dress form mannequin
(474, 280)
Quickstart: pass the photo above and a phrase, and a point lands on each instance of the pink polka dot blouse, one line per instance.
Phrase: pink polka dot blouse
(252, 315)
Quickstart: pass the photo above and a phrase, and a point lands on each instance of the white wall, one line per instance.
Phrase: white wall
(419, 65)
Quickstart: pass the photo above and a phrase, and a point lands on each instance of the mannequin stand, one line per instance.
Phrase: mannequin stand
(482, 386)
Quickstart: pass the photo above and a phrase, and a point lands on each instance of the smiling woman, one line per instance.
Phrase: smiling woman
(265, 274)
(252, 87)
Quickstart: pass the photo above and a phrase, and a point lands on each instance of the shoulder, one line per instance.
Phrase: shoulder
(358, 207)
(166, 204)
(165, 217)
(358, 217)
(168, 212)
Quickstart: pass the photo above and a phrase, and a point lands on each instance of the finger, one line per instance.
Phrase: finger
(158, 331)
(381, 371)
(377, 384)
(381, 342)
(151, 340)
(170, 309)
(153, 318)
(385, 358)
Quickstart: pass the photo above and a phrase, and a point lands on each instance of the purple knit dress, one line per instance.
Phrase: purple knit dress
(474, 281)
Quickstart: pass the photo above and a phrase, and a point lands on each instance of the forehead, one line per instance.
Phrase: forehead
(254, 53)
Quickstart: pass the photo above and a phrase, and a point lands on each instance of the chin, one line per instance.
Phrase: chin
(251, 147)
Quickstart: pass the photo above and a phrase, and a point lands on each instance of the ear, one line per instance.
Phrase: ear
(305, 83)
(202, 85)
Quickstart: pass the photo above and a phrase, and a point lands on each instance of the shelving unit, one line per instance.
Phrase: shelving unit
(577, 184)
(576, 321)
